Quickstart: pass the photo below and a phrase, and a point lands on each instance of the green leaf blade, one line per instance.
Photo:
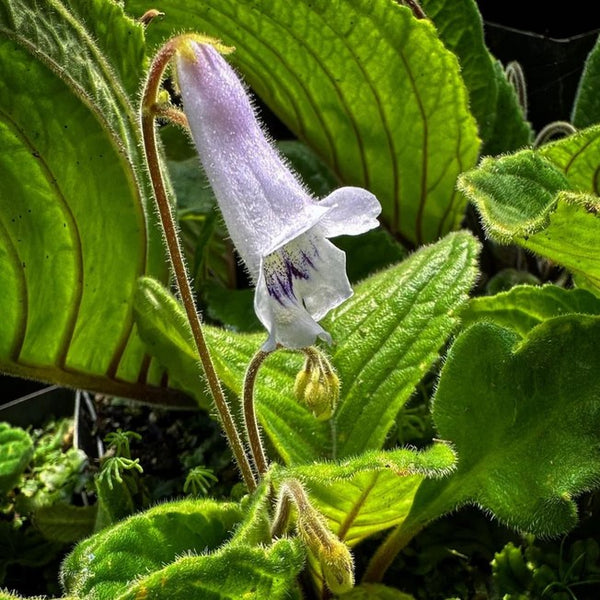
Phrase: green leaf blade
(525, 306)
(492, 392)
(390, 332)
(231, 572)
(107, 562)
(493, 101)
(586, 108)
(79, 235)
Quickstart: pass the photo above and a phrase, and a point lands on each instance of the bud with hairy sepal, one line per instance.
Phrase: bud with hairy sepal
(334, 556)
(317, 385)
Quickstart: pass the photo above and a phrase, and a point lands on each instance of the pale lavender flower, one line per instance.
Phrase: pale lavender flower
(279, 230)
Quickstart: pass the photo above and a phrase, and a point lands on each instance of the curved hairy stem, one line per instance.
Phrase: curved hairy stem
(149, 110)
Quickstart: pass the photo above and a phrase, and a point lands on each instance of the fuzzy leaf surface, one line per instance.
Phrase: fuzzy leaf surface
(371, 492)
(523, 415)
(390, 332)
(103, 565)
(365, 84)
(229, 573)
(76, 223)
(525, 306)
(544, 201)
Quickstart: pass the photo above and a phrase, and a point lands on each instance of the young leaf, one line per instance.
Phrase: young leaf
(586, 108)
(365, 84)
(525, 306)
(77, 225)
(230, 572)
(523, 416)
(493, 101)
(541, 201)
(16, 450)
(104, 565)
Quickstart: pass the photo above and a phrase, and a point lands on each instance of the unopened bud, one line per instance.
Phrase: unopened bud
(333, 554)
(338, 567)
(317, 386)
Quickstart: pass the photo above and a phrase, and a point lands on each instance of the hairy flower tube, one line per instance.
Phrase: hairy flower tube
(280, 231)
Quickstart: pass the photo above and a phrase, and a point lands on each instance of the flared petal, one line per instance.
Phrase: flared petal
(299, 284)
(353, 211)
(263, 203)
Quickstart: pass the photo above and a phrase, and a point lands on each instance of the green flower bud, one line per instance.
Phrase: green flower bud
(337, 564)
(338, 567)
(317, 386)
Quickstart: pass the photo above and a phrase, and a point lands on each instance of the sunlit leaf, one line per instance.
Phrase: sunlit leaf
(76, 223)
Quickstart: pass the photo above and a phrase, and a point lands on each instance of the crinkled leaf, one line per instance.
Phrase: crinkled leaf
(16, 450)
(229, 573)
(365, 84)
(524, 417)
(493, 101)
(387, 337)
(103, 565)
(77, 225)
(542, 201)
(586, 109)
(525, 306)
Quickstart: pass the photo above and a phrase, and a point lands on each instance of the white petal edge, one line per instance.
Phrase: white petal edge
(353, 211)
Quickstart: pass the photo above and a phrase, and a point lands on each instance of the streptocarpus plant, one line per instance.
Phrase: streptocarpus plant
(328, 461)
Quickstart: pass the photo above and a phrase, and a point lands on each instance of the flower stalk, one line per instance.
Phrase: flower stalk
(250, 422)
(150, 108)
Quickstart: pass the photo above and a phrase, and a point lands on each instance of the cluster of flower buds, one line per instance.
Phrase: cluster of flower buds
(317, 385)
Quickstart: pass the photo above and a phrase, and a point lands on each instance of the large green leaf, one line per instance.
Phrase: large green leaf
(544, 202)
(390, 333)
(76, 224)
(364, 83)
(493, 101)
(387, 336)
(523, 415)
